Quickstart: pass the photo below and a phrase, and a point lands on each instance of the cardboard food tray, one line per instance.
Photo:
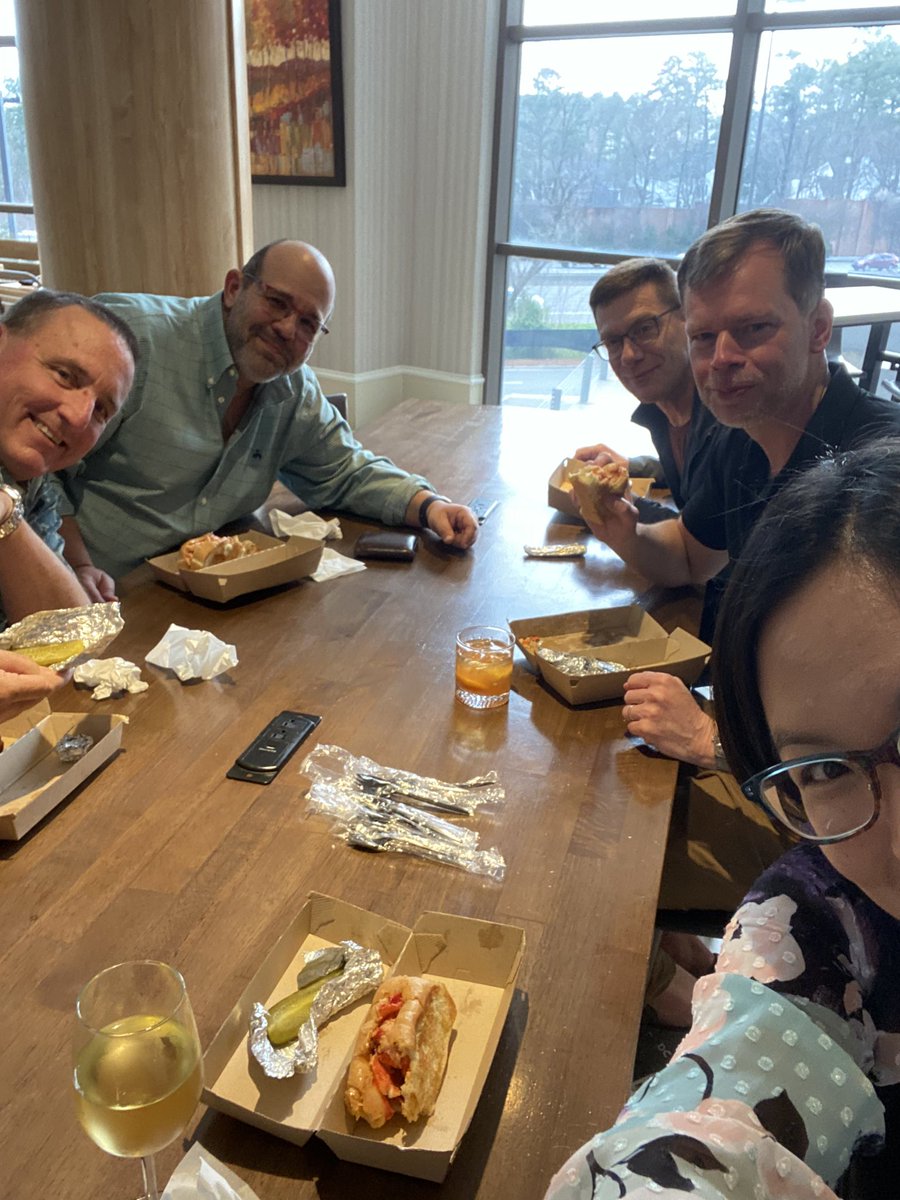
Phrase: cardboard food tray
(278, 561)
(478, 962)
(33, 780)
(559, 490)
(640, 645)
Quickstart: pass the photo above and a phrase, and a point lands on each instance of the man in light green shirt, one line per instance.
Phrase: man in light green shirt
(224, 404)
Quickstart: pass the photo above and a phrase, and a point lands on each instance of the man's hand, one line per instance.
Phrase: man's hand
(454, 524)
(98, 585)
(600, 454)
(661, 710)
(614, 521)
(23, 683)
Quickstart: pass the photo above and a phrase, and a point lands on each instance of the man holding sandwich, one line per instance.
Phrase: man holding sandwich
(757, 325)
(225, 403)
(66, 366)
(638, 314)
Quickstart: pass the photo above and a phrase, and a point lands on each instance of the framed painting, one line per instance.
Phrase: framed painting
(296, 92)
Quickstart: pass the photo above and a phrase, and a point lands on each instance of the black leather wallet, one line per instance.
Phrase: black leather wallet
(387, 544)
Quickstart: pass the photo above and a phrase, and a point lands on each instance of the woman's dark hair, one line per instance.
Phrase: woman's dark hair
(846, 507)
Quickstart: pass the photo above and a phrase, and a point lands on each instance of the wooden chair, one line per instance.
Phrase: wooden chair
(20, 270)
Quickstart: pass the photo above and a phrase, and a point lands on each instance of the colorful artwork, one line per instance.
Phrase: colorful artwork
(296, 91)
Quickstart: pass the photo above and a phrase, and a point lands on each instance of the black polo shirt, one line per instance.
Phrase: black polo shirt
(736, 484)
(684, 483)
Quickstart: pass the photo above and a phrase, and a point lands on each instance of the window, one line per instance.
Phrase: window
(630, 137)
(16, 207)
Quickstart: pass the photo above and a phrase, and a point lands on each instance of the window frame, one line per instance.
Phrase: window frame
(8, 41)
(747, 26)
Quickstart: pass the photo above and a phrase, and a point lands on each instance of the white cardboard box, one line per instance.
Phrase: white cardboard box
(33, 780)
(476, 960)
(277, 561)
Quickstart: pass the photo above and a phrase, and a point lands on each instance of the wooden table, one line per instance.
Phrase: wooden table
(871, 304)
(160, 856)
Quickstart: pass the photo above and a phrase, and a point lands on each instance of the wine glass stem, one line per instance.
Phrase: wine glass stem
(148, 1166)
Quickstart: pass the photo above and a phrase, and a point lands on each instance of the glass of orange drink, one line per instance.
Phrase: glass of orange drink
(484, 663)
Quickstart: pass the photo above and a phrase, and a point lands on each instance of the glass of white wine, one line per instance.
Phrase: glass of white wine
(138, 1072)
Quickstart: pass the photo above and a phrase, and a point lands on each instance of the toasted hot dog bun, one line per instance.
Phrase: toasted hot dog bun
(401, 1051)
(593, 484)
(209, 549)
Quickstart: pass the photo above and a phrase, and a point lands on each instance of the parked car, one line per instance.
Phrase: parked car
(885, 261)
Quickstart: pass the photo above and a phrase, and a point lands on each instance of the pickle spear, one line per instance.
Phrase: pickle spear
(287, 1015)
(50, 653)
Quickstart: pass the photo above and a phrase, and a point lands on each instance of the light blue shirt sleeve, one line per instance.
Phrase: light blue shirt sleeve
(163, 472)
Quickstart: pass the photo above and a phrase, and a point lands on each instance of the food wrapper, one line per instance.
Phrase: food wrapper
(334, 766)
(305, 524)
(380, 808)
(577, 664)
(361, 973)
(72, 746)
(200, 1176)
(94, 625)
(557, 550)
(192, 654)
(109, 677)
(332, 565)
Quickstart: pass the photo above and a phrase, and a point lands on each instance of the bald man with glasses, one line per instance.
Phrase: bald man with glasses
(224, 404)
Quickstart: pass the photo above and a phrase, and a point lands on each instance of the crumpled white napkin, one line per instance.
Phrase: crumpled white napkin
(109, 676)
(200, 1176)
(192, 653)
(331, 565)
(305, 524)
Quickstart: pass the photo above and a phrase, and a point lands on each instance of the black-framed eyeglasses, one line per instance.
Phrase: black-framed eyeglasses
(280, 307)
(825, 797)
(642, 333)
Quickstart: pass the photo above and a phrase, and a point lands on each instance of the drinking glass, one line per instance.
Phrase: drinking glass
(484, 663)
(138, 1072)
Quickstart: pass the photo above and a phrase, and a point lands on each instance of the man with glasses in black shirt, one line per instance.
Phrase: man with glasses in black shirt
(638, 314)
(757, 325)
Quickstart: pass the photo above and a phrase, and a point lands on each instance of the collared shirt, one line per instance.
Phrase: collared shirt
(684, 481)
(163, 472)
(737, 483)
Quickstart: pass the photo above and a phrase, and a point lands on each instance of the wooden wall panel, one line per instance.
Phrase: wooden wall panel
(137, 131)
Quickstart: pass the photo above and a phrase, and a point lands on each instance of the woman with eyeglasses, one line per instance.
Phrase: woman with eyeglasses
(788, 1078)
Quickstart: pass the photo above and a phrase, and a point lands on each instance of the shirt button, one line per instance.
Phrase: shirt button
(203, 500)
(220, 399)
(210, 381)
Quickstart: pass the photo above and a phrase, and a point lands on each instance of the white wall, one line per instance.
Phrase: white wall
(408, 235)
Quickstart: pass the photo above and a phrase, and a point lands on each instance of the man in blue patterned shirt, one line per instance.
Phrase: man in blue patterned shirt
(224, 403)
(66, 366)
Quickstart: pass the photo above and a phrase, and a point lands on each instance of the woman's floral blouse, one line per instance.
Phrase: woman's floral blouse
(771, 1092)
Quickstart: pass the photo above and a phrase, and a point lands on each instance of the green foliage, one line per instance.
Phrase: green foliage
(527, 312)
(606, 172)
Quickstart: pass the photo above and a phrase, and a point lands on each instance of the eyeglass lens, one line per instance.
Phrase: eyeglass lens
(641, 334)
(281, 308)
(821, 799)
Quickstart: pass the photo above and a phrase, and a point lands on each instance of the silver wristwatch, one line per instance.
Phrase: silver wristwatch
(14, 520)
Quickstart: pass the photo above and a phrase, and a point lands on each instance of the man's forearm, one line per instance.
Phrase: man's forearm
(657, 551)
(32, 578)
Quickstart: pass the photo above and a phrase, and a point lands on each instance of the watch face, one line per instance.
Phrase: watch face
(17, 512)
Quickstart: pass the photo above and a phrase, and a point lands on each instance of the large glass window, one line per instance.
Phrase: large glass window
(637, 131)
(823, 140)
(15, 181)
